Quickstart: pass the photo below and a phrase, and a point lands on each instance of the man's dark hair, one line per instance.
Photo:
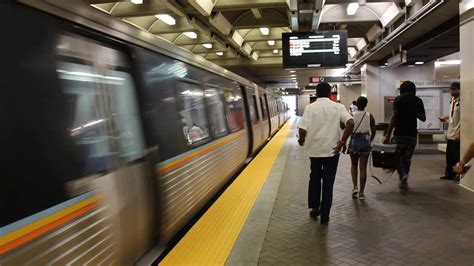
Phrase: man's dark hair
(455, 85)
(407, 87)
(361, 103)
(323, 90)
(354, 103)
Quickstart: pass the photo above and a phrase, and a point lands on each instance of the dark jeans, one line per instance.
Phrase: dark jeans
(406, 148)
(322, 169)
(453, 154)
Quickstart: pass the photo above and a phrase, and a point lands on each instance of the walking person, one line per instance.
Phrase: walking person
(453, 149)
(360, 146)
(353, 107)
(407, 108)
(323, 140)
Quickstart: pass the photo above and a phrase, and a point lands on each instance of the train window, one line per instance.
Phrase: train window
(254, 99)
(252, 108)
(264, 108)
(272, 107)
(216, 111)
(234, 109)
(105, 119)
(193, 112)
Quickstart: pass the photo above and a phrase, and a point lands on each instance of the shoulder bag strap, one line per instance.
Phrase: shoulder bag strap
(362, 119)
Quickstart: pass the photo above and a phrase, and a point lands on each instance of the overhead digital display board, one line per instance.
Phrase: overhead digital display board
(325, 49)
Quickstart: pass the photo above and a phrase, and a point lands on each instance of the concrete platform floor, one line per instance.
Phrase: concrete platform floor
(432, 224)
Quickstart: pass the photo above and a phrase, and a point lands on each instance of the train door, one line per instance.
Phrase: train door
(249, 118)
(106, 125)
(265, 117)
(269, 110)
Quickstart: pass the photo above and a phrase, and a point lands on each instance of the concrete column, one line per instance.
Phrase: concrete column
(467, 81)
(349, 93)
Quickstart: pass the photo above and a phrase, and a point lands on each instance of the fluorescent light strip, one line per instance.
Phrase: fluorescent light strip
(219, 53)
(85, 74)
(165, 18)
(207, 45)
(352, 9)
(137, 2)
(265, 31)
(419, 63)
(190, 34)
(448, 62)
(271, 42)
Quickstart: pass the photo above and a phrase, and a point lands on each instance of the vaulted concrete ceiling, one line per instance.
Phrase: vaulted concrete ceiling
(228, 33)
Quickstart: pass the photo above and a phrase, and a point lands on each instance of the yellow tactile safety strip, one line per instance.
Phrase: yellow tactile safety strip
(210, 240)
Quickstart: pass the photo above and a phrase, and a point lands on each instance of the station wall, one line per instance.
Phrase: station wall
(380, 82)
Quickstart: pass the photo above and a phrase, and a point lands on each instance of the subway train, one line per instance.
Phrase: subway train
(112, 139)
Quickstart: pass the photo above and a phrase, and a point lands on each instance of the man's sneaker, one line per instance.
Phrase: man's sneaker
(361, 196)
(403, 186)
(447, 177)
(457, 179)
(314, 213)
(324, 220)
(355, 191)
(404, 179)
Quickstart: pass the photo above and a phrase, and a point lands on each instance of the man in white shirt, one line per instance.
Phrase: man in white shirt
(321, 136)
(453, 149)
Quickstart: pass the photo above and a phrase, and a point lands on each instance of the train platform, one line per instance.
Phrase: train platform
(262, 218)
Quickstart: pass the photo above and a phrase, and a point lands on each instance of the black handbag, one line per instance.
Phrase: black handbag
(385, 156)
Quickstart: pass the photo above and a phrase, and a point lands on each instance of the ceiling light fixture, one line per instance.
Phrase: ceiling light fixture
(271, 42)
(419, 63)
(352, 9)
(137, 2)
(165, 18)
(265, 31)
(275, 51)
(190, 34)
(219, 53)
(207, 45)
(292, 71)
(448, 62)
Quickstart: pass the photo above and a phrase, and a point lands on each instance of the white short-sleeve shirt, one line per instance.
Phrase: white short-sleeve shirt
(322, 121)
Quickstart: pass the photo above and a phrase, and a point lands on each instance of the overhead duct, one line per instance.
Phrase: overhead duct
(254, 56)
(293, 20)
(237, 39)
(203, 6)
(309, 14)
(246, 49)
(221, 23)
(374, 33)
(391, 15)
(352, 51)
(398, 59)
(361, 44)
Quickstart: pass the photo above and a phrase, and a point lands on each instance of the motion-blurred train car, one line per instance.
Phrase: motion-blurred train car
(112, 139)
